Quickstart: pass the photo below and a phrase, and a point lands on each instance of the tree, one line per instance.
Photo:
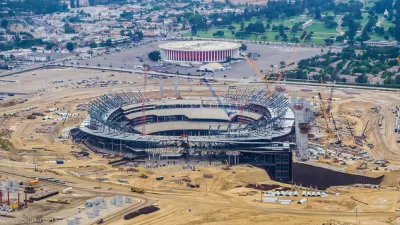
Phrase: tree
(231, 27)
(108, 42)
(219, 33)
(154, 56)
(362, 79)
(4, 24)
(148, 19)
(72, 3)
(243, 47)
(264, 38)
(386, 37)
(268, 26)
(70, 46)
(317, 15)
(276, 37)
(139, 35)
(93, 44)
(68, 29)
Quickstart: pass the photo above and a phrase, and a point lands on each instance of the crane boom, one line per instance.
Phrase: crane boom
(62, 125)
(291, 58)
(216, 97)
(328, 131)
(338, 141)
(264, 79)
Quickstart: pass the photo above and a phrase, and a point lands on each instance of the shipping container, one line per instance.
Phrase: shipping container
(270, 200)
(60, 161)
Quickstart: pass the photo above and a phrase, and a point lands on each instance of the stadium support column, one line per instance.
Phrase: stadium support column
(176, 87)
(161, 88)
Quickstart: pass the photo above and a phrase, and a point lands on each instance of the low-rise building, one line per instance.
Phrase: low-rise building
(381, 43)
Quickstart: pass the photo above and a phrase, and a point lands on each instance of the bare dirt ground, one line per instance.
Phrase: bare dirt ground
(217, 200)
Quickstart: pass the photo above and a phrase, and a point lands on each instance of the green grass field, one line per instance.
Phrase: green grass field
(320, 32)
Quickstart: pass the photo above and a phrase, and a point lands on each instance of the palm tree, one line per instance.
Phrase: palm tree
(272, 67)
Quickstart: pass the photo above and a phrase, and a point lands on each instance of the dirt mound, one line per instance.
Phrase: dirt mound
(244, 178)
(391, 179)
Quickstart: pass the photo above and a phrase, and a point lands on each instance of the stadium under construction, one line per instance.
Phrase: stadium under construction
(243, 126)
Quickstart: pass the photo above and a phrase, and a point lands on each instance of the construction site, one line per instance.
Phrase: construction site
(86, 146)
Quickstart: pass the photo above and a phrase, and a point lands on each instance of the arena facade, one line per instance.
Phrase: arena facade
(199, 51)
(248, 123)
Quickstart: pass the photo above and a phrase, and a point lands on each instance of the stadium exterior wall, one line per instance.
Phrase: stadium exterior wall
(177, 54)
(198, 56)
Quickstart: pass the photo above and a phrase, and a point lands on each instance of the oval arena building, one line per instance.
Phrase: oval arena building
(199, 51)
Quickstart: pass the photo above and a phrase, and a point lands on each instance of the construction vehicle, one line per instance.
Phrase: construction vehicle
(138, 190)
(13, 206)
(363, 166)
(32, 182)
(143, 173)
(29, 189)
(61, 201)
(59, 135)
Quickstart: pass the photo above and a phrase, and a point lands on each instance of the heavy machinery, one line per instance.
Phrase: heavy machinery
(138, 190)
(29, 189)
(363, 166)
(59, 135)
(143, 173)
(365, 129)
(328, 130)
(32, 182)
(338, 140)
(328, 109)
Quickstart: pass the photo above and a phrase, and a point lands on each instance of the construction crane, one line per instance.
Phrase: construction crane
(145, 69)
(278, 78)
(59, 135)
(264, 79)
(328, 109)
(143, 174)
(328, 131)
(338, 140)
(228, 113)
(365, 129)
